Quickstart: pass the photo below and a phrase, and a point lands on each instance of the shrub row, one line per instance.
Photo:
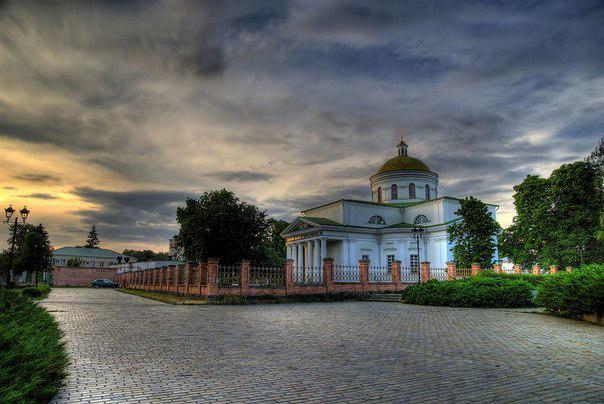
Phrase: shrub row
(32, 357)
(477, 291)
(573, 294)
(530, 278)
(37, 292)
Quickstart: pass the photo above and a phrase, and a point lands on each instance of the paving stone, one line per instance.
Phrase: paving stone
(124, 348)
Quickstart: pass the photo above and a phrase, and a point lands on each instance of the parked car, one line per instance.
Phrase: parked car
(104, 283)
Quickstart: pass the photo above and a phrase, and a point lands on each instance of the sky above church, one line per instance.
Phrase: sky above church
(112, 112)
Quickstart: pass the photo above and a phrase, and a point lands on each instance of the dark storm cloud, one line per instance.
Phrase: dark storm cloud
(183, 95)
(131, 214)
(241, 176)
(38, 178)
(40, 195)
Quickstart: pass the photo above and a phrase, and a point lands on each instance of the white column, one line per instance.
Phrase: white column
(316, 258)
(308, 258)
(299, 260)
(345, 253)
(288, 251)
(323, 249)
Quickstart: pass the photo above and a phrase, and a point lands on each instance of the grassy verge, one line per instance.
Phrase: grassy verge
(36, 292)
(238, 300)
(32, 356)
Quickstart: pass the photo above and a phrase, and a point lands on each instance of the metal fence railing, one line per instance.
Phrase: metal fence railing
(267, 276)
(439, 274)
(229, 275)
(409, 275)
(346, 273)
(463, 272)
(379, 274)
(308, 275)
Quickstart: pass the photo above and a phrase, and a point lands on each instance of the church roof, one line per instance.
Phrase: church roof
(403, 163)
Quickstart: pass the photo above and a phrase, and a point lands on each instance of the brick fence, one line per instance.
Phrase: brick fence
(210, 279)
(81, 276)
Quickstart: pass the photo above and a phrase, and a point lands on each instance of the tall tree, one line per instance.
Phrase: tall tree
(36, 252)
(218, 225)
(474, 235)
(93, 238)
(525, 240)
(557, 218)
(275, 244)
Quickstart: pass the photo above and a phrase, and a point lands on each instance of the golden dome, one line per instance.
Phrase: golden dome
(403, 163)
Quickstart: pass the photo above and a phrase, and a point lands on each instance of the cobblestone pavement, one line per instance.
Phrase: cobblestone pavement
(127, 348)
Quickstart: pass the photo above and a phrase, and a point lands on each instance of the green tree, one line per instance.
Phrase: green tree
(73, 263)
(474, 235)
(218, 225)
(146, 255)
(525, 240)
(36, 252)
(275, 244)
(557, 218)
(93, 238)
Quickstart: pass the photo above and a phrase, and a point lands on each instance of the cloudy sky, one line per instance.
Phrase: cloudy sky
(112, 112)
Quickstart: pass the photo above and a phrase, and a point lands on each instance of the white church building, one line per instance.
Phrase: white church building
(404, 195)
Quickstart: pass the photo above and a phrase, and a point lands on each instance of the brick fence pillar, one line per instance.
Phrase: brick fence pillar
(517, 269)
(289, 275)
(536, 270)
(328, 273)
(498, 268)
(553, 269)
(364, 273)
(425, 271)
(396, 273)
(451, 270)
(169, 270)
(475, 268)
(154, 279)
(147, 273)
(202, 275)
(245, 276)
(212, 286)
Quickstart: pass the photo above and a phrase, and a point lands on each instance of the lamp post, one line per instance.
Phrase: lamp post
(418, 232)
(9, 213)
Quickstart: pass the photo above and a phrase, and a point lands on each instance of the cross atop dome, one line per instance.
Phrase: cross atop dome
(402, 146)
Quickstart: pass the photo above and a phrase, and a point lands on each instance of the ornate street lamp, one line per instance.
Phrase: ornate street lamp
(418, 233)
(13, 227)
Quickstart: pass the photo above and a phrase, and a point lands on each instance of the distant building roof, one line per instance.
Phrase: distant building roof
(88, 252)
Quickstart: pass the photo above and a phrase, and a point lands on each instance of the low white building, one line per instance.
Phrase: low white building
(404, 195)
(88, 257)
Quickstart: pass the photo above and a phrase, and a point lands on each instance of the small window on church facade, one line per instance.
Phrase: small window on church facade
(379, 195)
(427, 192)
(376, 219)
(411, 191)
(394, 191)
(421, 219)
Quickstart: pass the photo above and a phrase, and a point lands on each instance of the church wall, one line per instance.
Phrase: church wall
(358, 214)
(333, 211)
(433, 210)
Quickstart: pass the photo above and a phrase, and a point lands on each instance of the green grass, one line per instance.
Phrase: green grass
(39, 292)
(32, 356)
(239, 300)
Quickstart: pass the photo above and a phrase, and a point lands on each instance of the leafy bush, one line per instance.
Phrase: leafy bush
(36, 292)
(32, 357)
(574, 293)
(477, 291)
(530, 278)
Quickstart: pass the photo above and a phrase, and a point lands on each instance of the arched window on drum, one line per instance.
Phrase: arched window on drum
(379, 195)
(412, 191)
(427, 192)
(393, 192)
(421, 219)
